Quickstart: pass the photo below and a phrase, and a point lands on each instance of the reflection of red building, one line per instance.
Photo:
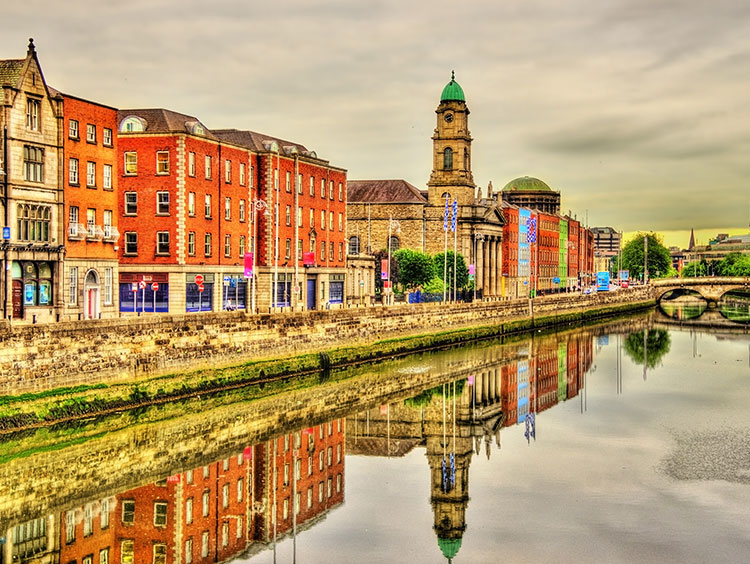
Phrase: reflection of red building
(509, 393)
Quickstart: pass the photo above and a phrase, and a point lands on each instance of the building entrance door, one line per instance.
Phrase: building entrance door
(311, 293)
(17, 299)
(92, 303)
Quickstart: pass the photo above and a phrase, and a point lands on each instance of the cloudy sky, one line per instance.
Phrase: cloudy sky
(636, 110)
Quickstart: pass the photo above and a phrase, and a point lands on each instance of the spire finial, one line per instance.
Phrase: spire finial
(32, 49)
(453, 76)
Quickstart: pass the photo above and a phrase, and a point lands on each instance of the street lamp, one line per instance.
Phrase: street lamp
(392, 225)
(256, 206)
(478, 237)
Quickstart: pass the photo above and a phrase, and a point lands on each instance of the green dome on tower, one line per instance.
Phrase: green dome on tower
(527, 183)
(449, 547)
(452, 91)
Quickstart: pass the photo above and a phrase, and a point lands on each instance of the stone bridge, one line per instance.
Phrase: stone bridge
(710, 288)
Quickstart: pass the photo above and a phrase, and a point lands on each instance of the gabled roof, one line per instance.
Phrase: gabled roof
(10, 71)
(160, 120)
(383, 191)
(258, 141)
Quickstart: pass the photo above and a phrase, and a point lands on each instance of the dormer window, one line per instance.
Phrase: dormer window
(132, 124)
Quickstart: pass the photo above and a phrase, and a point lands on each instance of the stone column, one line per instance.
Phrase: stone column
(486, 266)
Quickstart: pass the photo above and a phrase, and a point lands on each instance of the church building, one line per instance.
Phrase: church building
(415, 218)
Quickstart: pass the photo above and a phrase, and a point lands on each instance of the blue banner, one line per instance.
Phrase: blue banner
(455, 213)
(445, 220)
(531, 230)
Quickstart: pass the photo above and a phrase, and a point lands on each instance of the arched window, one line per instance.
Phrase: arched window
(354, 245)
(448, 159)
(132, 123)
(394, 244)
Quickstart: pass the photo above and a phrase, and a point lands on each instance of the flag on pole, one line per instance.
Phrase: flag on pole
(455, 213)
(531, 230)
(445, 219)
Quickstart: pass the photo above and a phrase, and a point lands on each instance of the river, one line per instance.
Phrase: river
(556, 447)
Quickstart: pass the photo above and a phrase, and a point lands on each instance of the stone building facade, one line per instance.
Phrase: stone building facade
(394, 214)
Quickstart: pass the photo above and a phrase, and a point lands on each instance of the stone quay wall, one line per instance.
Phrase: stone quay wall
(35, 358)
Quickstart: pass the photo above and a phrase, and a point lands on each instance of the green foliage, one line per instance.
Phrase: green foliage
(648, 347)
(415, 268)
(734, 264)
(462, 272)
(659, 260)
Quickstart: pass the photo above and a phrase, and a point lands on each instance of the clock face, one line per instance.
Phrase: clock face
(448, 118)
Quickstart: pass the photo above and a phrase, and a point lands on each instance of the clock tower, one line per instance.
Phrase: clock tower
(451, 149)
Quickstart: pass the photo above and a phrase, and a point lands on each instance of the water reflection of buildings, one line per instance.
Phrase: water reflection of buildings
(243, 503)
(455, 420)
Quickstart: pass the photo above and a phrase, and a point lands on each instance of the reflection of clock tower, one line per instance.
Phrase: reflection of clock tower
(451, 149)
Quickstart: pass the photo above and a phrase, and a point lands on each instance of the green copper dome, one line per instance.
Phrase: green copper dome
(527, 183)
(449, 547)
(452, 91)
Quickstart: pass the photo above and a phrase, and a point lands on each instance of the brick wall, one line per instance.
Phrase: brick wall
(39, 357)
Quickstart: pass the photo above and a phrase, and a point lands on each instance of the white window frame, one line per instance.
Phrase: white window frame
(107, 177)
(90, 133)
(207, 206)
(227, 171)
(162, 203)
(131, 201)
(208, 166)
(130, 162)
(162, 243)
(107, 137)
(73, 171)
(162, 162)
(73, 285)
(227, 208)
(73, 129)
(90, 174)
(191, 163)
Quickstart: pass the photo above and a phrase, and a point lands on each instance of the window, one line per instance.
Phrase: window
(103, 518)
(205, 503)
(191, 164)
(73, 285)
(323, 250)
(191, 243)
(242, 246)
(131, 163)
(297, 502)
(108, 283)
(289, 215)
(329, 485)
(73, 129)
(225, 534)
(131, 243)
(131, 203)
(225, 495)
(227, 245)
(323, 219)
(330, 221)
(90, 133)
(309, 497)
(320, 492)
(288, 181)
(448, 159)
(228, 171)
(128, 511)
(162, 242)
(91, 174)
(208, 206)
(288, 249)
(189, 551)
(104, 556)
(33, 163)
(73, 171)
(107, 177)
(285, 512)
(341, 221)
(206, 472)
(338, 453)
(191, 204)
(207, 245)
(341, 251)
(299, 217)
(162, 203)
(162, 162)
(299, 184)
(299, 249)
(239, 527)
(208, 166)
(160, 553)
(33, 222)
(107, 137)
(338, 483)
(286, 474)
(160, 513)
(276, 179)
(240, 488)
(312, 218)
(70, 526)
(32, 114)
(323, 188)
(227, 208)
(354, 245)
(90, 217)
(312, 185)
(242, 210)
(204, 544)
(297, 469)
(252, 173)
(243, 174)
(189, 476)
(330, 190)
(126, 551)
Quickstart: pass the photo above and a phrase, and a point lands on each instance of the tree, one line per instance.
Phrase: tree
(659, 260)
(462, 273)
(415, 268)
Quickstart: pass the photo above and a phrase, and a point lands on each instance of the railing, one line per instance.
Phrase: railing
(76, 231)
(111, 233)
(94, 233)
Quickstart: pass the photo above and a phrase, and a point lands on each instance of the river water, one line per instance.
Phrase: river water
(560, 447)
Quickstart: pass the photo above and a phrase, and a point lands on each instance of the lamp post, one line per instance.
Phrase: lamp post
(478, 237)
(392, 225)
(256, 206)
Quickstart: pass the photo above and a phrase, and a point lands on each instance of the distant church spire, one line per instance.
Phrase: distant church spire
(691, 244)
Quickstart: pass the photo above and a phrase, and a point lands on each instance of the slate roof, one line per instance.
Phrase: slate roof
(10, 71)
(254, 140)
(160, 120)
(384, 191)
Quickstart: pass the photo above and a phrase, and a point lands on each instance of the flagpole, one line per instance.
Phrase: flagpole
(455, 277)
(445, 248)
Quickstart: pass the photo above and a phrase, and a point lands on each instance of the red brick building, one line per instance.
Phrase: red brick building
(91, 216)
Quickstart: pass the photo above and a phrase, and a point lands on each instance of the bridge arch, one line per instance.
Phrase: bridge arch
(710, 288)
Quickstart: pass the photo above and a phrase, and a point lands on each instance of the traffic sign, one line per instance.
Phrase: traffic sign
(199, 279)
(142, 284)
(155, 286)
(134, 287)
(6, 232)
(200, 287)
